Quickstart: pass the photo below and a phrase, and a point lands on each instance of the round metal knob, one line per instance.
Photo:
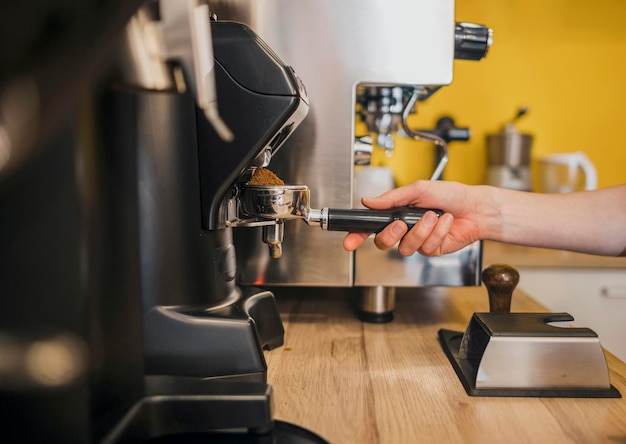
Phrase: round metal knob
(500, 281)
(471, 41)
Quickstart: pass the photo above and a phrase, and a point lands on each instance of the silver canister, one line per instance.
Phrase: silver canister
(508, 157)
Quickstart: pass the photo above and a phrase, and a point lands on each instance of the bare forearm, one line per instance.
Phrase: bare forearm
(589, 222)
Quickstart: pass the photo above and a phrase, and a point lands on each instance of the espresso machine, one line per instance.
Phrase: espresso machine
(364, 63)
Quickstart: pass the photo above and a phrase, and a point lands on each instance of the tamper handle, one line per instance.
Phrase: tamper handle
(500, 280)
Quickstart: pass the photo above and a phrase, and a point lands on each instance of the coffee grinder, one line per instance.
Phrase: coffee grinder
(191, 155)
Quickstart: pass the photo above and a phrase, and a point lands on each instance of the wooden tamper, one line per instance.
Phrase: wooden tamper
(500, 280)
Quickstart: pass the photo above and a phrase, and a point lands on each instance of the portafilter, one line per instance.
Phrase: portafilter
(278, 203)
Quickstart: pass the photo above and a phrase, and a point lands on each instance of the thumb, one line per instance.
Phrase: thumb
(398, 197)
(376, 203)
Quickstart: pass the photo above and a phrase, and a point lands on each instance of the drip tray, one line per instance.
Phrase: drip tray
(522, 355)
(192, 410)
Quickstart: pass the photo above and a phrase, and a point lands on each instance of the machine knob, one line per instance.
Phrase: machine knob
(471, 41)
(500, 281)
(446, 129)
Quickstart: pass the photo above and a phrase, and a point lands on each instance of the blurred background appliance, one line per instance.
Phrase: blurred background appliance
(120, 316)
(566, 172)
(508, 157)
(363, 62)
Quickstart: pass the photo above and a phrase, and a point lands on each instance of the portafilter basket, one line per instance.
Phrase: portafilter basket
(274, 201)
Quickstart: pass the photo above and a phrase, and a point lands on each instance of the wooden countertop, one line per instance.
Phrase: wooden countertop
(521, 256)
(353, 382)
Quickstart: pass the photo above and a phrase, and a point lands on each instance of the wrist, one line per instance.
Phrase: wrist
(489, 202)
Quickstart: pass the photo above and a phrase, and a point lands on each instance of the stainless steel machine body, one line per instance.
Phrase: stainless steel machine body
(343, 51)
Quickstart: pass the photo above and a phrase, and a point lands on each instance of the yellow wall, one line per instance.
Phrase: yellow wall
(564, 59)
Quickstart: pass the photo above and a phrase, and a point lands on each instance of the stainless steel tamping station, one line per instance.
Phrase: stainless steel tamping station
(523, 354)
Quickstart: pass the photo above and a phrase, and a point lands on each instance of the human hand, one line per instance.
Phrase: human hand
(431, 236)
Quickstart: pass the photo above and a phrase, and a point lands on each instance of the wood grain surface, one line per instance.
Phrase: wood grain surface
(352, 382)
(522, 256)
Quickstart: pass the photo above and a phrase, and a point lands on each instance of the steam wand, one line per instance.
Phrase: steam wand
(420, 135)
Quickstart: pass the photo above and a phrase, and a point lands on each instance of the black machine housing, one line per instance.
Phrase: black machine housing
(262, 101)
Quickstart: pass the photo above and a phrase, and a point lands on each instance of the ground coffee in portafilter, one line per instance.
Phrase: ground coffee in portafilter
(263, 176)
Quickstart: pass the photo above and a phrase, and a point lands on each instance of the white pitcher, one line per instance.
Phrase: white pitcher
(563, 173)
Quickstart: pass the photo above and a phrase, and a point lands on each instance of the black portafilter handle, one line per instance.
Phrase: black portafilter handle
(371, 221)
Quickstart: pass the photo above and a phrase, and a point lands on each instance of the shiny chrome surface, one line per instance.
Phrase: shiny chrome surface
(518, 362)
(186, 35)
(336, 47)
(377, 299)
(258, 204)
(374, 267)
(273, 237)
(274, 202)
(539, 351)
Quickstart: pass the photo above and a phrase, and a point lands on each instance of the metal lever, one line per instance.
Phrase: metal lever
(420, 135)
(202, 44)
(186, 25)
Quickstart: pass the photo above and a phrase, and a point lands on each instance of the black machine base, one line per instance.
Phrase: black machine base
(282, 433)
(190, 410)
(373, 317)
(224, 340)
